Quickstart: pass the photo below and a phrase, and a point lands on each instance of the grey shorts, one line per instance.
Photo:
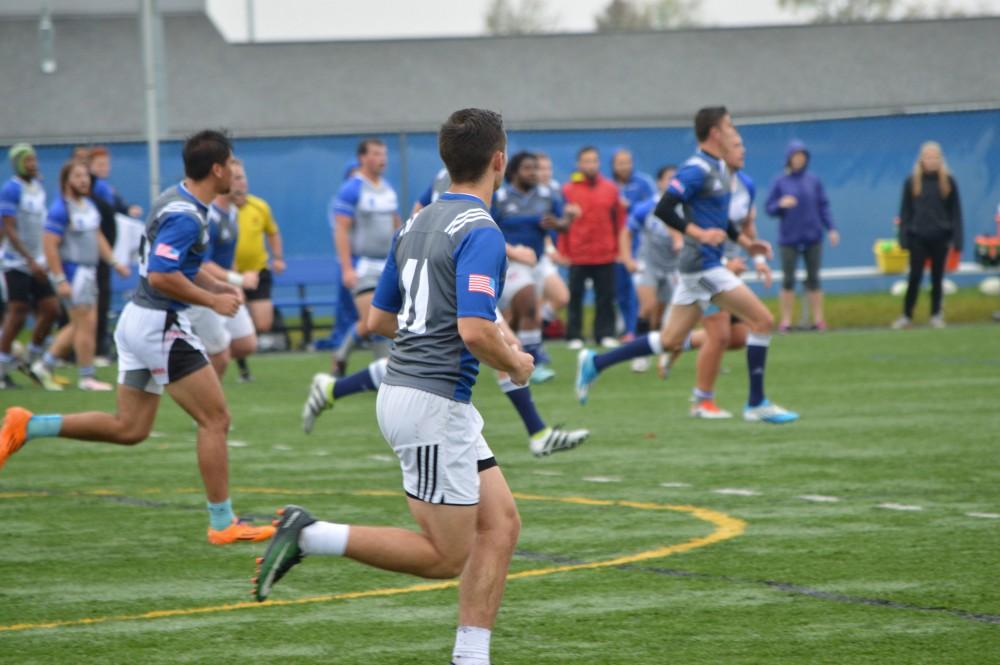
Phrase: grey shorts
(661, 282)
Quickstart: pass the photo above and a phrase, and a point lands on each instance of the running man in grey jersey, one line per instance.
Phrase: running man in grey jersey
(23, 212)
(156, 348)
(364, 216)
(437, 297)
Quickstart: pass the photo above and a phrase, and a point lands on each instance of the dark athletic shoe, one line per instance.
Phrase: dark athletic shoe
(283, 551)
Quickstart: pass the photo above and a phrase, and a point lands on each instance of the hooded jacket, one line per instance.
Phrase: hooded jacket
(805, 223)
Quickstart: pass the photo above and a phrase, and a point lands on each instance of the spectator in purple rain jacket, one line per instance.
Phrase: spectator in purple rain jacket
(798, 199)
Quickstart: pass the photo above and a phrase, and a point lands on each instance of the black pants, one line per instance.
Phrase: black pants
(922, 249)
(813, 255)
(603, 277)
(103, 307)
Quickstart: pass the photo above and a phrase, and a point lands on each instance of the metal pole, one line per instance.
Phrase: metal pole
(251, 23)
(148, 13)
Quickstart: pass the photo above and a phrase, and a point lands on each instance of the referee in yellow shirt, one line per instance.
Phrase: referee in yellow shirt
(256, 223)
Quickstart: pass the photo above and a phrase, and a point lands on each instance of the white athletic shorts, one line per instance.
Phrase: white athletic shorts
(156, 347)
(210, 327)
(240, 325)
(521, 275)
(84, 285)
(439, 443)
(700, 287)
(369, 271)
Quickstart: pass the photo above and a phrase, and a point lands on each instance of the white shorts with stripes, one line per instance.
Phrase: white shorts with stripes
(700, 287)
(439, 443)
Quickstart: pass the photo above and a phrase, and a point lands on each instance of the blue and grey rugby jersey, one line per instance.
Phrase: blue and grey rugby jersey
(741, 201)
(373, 208)
(447, 262)
(25, 202)
(176, 239)
(703, 184)
(519, 215)
(78, 224)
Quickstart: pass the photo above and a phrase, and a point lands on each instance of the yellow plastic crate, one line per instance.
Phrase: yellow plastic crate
(890, 257)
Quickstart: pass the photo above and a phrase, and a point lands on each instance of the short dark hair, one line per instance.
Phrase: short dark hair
(367, 143)
(467, 142)
(203, 150)
(514, 165)
(664, 169)
(585, 149)
(706, 118)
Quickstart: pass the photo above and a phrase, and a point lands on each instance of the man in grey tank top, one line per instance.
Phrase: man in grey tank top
(437, 297)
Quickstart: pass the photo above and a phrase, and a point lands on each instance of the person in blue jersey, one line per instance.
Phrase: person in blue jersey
(74, 246)
(23, 213)
(722, 331)
(526, 211)
(635, 187)
(653, 265)
(156, 348)
(364, 216)
(697, 203)
(555, 291)
(437, 298)
(346, 314)
(225, 337)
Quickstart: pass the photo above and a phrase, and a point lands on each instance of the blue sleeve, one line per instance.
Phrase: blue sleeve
(58, 220)
(826, 219)
(648, 186)
(748, 183)
(387, 296)
(347, 198)
(104, 191)
(637, 218)
(175, 237)
(687, 182)
(10, 198)
(425, 198)
(480, 263)
(557, 205)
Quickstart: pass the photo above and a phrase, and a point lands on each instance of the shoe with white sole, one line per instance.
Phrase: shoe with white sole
(902, 323)
(556, 439)
(93, 385)
(937, 321)
(319, 400)
(709, 410)
(41, 374)
(586, 374)
(766, 412)
(574, 344)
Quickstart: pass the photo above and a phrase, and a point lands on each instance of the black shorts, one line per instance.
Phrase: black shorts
(263, 290)
(22, 287)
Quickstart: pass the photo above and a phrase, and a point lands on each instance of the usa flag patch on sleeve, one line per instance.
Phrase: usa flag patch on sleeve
(482, 284)
(677, 185)
(167, 252)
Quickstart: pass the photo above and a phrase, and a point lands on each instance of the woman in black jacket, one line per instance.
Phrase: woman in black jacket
(930, 223)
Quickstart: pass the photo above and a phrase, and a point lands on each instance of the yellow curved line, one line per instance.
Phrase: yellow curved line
(726, 527)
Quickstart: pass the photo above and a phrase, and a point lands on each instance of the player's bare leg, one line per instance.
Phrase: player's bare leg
(708, 365)
(129, 426)
(498, 526)
(200, 394)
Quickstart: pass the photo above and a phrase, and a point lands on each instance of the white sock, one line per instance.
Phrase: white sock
(528, 337)
(655, 342)
(324, 538)
(753, 339)
(472, 646)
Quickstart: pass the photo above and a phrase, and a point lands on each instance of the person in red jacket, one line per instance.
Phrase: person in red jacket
(591, 245)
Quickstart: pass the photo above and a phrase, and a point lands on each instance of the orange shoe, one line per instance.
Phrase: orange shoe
(240, 532)
(14, 432)
(707, 408)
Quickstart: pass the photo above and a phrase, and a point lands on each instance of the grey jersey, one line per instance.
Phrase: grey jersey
(181, 247)
(25, 202)
(373, 209)
(740, 204)
(448, 262)
(656, 245)
(79, 244)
